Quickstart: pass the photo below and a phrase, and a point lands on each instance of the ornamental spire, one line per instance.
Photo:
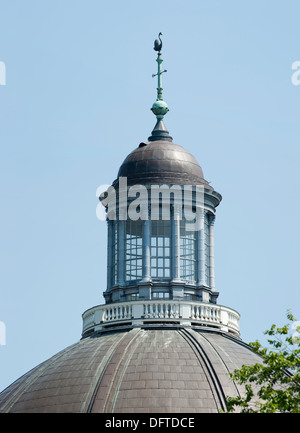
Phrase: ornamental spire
(160, 107)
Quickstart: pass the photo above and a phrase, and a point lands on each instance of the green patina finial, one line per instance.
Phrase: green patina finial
(159, 108)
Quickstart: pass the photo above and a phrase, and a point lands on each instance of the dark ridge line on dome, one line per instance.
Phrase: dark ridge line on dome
(111, 394)
(99, 370)
(202, 356)
(130, 349)
(239, 341)
(214, 349)
(94, 392)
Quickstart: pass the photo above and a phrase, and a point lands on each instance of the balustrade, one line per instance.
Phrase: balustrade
(185, 312)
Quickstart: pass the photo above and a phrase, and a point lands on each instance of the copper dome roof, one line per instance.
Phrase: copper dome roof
(162, 162)
(140, 370)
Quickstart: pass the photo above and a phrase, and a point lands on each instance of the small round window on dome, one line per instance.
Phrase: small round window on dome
(142, 144)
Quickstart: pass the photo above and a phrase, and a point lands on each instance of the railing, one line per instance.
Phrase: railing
(185, 313)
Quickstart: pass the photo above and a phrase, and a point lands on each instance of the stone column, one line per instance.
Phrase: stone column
(146, 251)
(175, 246)
(200, 248)
(110, 240)
(211, 252)
(121, 251)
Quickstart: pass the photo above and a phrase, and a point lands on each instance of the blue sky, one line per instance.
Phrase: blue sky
(77, 100)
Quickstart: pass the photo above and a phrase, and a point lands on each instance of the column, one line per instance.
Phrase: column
(175, 246)
(200, 248)
(146, 250)
(211, 252)
(110, 240)
(121, 252)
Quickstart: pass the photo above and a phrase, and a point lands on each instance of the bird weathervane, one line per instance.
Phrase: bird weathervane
(158, 43)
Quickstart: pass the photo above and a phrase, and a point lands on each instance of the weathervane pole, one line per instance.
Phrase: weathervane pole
(159, 108)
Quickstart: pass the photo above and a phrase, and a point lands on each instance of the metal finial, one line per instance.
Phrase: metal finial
(159, 107)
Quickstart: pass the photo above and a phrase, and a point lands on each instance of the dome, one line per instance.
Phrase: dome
(162, 162)
(160, 344)
(138, 370)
